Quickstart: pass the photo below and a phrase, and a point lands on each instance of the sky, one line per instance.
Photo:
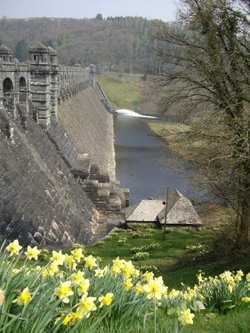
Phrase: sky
(151, 9)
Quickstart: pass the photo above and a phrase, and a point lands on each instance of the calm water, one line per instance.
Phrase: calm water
(140, 160)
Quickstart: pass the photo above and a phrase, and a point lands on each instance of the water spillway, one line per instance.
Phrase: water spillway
(131, 113)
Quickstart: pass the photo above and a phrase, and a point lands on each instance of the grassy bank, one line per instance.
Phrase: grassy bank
(168, 254)
(123, 92)
(171, 134)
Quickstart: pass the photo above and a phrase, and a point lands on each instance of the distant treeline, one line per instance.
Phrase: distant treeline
(124, 44)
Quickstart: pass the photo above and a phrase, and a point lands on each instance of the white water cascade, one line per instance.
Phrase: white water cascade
(130, 113)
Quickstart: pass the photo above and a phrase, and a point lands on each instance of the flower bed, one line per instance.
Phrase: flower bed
(73, 292)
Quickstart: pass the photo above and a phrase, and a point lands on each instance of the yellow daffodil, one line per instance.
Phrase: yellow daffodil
(53, 268)
(230, 288)
(245, 299)
(77, 278)
(69, 262)
(68, 319)
(128, 269)
(14, 248)
(136, 273)
(248, 277)
(118, 262)
(115, 270)
(99, 272)
(83, 287)
(86, 306)
(165, 293)
(186, 317)
(118, 265)
(77, 254)
(71, 318)
(155, 288)
(24, 297)
(58, 257)
(106, 300)
(64, 291)
(128, 284)
(90, 261)
(200, 278)
(32, 253)
(45, 273)
(187, 296)
(174, 293)
(148, 276)
(239, 275)
(227, 276)
(139, 288)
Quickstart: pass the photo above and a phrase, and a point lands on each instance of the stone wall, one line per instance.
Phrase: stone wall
(90, 127)
(41, 202)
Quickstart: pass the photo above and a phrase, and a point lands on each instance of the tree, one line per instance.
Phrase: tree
(207, 59)
(21, 50)
(99, 17)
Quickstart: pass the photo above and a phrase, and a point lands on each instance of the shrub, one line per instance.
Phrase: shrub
(140, 256)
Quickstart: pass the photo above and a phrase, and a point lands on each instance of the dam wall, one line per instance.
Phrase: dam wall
(41, 202)
(90, 128)
(57, 158)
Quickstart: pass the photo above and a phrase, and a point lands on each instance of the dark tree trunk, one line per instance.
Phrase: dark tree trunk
(243, 232)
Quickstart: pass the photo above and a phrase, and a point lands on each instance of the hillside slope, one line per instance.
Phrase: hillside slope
(122, 43)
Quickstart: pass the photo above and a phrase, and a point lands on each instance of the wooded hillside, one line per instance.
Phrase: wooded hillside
(120, 43)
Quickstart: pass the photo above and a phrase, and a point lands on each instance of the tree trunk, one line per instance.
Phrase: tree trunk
(243, 237)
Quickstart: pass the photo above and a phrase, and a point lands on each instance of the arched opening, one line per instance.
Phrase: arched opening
(22, 84)
(7, 85)
(22, 90)
(8, 96)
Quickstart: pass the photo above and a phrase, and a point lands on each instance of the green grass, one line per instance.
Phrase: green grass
(233, 322)
(170, 256)
(123, 92)
(171, 134)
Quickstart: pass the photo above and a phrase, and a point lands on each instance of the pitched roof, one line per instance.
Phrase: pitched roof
(146, 211)
(180, 211)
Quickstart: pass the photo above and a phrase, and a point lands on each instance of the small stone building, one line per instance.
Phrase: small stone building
(178, 211)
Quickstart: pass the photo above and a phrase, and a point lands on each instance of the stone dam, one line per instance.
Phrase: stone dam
(57, 159)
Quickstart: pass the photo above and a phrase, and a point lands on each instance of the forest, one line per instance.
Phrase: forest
(123, 44)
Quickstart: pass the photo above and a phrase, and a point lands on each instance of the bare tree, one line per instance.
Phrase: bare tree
(208, 55)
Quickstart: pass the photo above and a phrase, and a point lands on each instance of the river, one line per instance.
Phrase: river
(140, 157)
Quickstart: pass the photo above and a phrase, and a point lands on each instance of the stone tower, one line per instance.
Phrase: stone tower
(54, 82)
(7, 93)
(43, 82)
(5, 53)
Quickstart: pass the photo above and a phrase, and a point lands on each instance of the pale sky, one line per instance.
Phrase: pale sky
(152, 9)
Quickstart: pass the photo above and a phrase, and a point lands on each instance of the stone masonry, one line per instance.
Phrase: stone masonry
(57, 158)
